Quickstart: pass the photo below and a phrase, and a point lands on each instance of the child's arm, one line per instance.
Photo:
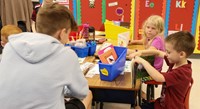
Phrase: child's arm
(157, 76)
(135, 42)
(147, 52)
(151, 52)
(33, 26)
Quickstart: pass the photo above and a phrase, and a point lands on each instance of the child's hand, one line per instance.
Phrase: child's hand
(129, 51)
(131, 42)
(133, 55)
(138, 60)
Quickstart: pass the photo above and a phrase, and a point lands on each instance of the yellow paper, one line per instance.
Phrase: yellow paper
(113, 30)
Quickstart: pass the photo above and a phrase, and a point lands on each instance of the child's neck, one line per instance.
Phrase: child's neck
(148, 42)
(180, 63)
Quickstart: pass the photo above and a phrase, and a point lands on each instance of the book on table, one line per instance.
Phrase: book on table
(107, 53)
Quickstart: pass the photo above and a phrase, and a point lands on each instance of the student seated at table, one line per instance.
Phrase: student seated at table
(6, 31)
(153, 40)
(179, 46)
(37, 70)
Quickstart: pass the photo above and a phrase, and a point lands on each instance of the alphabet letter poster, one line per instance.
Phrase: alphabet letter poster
(181, 15)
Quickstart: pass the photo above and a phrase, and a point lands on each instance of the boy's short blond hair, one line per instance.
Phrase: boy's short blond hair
(182, 41)
(9, 30)
(54, 17)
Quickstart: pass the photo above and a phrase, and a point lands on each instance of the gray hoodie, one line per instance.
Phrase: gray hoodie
(34, 70)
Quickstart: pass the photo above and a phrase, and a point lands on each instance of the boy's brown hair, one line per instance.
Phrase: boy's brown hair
(182, 41)
(9, 30)
(51, 13)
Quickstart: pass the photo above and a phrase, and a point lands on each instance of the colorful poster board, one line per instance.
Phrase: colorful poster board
(96, 14)
(91, 14)
(144, 9)
(197, 35)
(181, 15)
(118, 10)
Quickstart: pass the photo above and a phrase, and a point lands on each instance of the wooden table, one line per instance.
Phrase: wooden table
(120, 90)
(122, 82)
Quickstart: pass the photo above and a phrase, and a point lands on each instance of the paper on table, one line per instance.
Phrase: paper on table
(99, 33)
(81, 60)
(98, 47)
(127, 66)
(86, 65)
(123, 39)
(93, 71)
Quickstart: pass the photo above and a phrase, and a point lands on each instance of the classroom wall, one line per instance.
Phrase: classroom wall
(178, 14)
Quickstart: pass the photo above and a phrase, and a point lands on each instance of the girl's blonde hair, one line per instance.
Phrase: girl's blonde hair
(157, 21)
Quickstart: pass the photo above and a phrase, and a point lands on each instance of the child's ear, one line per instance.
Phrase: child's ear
(182, 54)
(62, 32)
(64, 35)
(65, 32)
(3, 43)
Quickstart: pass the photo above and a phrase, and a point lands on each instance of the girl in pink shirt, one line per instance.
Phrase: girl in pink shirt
(153, 29)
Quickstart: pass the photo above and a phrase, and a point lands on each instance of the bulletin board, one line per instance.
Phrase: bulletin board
(71, 5)
(91, 15)
(118, 10)
(144, 9)
(181, 15)
(197, 35)
(103, 9)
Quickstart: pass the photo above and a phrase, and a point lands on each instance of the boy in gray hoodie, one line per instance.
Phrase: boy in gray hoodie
(35, 67)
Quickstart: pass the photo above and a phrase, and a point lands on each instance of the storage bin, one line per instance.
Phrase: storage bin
(109, 72)
(92, 48)
(81, 52)
(86, 51)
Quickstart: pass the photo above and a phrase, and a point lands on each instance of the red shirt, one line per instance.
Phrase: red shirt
(35, 11)
(175, 88)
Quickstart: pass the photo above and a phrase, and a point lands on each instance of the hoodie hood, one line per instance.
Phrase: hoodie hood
(33, 47)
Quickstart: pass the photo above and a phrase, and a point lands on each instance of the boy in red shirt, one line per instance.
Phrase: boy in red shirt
(179, 46)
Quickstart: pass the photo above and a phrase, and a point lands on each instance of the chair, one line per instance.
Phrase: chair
(150, 89)
(187, 96)
(146, 80)
(139, 73)
(142, 73)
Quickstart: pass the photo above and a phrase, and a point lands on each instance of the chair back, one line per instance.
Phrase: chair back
(187, 96)
(141, 71)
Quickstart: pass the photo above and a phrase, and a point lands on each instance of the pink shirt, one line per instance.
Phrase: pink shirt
(158, 43)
